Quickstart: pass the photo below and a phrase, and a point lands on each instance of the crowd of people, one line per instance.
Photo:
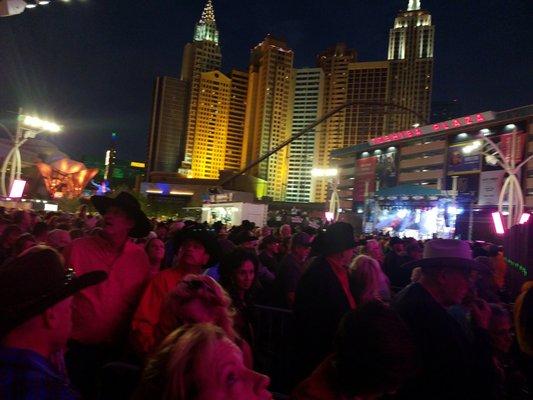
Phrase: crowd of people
(117, 306)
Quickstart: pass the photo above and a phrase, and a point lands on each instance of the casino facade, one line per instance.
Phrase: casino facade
(435, 167)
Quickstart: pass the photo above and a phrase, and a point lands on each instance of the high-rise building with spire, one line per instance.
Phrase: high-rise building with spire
(411, 65)
(269, 112)
(202, 55)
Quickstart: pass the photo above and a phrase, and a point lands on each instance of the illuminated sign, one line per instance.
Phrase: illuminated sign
(51, 207)
(438, 127)
(17, 188)
(136, 164)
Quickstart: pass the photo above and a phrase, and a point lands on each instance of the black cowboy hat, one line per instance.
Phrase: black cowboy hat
(125, 201)
(337, 238)
(34, 282)
(200, 234)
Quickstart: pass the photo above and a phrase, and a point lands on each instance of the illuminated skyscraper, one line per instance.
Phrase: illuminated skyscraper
(334, 62)
(268, 112)
(110, 157)
(237, 113)
(411, 65)
(202, 55)
(212, 115)
(307, 108)
(166, 140)
(367, 82)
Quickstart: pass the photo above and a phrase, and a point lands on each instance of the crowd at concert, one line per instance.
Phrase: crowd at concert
(113, 305)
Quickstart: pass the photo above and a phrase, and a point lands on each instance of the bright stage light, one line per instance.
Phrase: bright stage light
(402, 213)
(324, 172)
(454, 210)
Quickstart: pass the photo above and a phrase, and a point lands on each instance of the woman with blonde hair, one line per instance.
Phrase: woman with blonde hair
(373, 249)
(199, 299)
(200, 362)
(368, 281)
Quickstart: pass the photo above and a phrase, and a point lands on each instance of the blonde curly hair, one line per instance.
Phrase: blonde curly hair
(196, 287)
(169, 374)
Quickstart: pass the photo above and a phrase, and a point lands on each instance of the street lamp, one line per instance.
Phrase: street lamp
(334, 202)
(28, 127)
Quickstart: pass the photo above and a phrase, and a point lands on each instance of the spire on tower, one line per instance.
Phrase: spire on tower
(208, 14)
(413, 5)
(206, 28)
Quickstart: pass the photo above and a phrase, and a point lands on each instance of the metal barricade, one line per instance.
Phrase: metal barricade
(272, 328)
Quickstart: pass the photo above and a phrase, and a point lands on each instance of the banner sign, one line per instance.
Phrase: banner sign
(506, 144)
(365, 171)
(386, 170)
(490, 184)
(459, 162)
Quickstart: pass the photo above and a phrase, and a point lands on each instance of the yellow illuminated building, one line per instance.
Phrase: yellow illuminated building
(239, 87)
(202, 55)
(212, 115)
(269, 112)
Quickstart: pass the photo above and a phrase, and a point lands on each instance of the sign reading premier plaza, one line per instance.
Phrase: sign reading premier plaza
(438, 127)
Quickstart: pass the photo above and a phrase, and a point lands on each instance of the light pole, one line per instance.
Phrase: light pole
(334, 202)
(27, 127)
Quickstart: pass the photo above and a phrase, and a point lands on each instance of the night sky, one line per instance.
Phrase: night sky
(90, 64)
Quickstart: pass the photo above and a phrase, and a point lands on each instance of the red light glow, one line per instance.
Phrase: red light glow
(438, 127)
(498, 223)
(524, 218)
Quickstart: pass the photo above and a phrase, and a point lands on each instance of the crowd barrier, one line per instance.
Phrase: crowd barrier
(272, 328)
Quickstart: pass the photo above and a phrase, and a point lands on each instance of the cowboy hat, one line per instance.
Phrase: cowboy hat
(35, 281)
(200, 234)
(337, 238)
(446, 253)
(125, 201)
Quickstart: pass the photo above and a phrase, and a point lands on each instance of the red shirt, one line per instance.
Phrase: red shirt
(101, 314)
(342, 275)
(147, 316)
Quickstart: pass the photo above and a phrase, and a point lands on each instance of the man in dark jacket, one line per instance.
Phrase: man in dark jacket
(323, 296)
(399, 277)
(291, 269)
(453, 365)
